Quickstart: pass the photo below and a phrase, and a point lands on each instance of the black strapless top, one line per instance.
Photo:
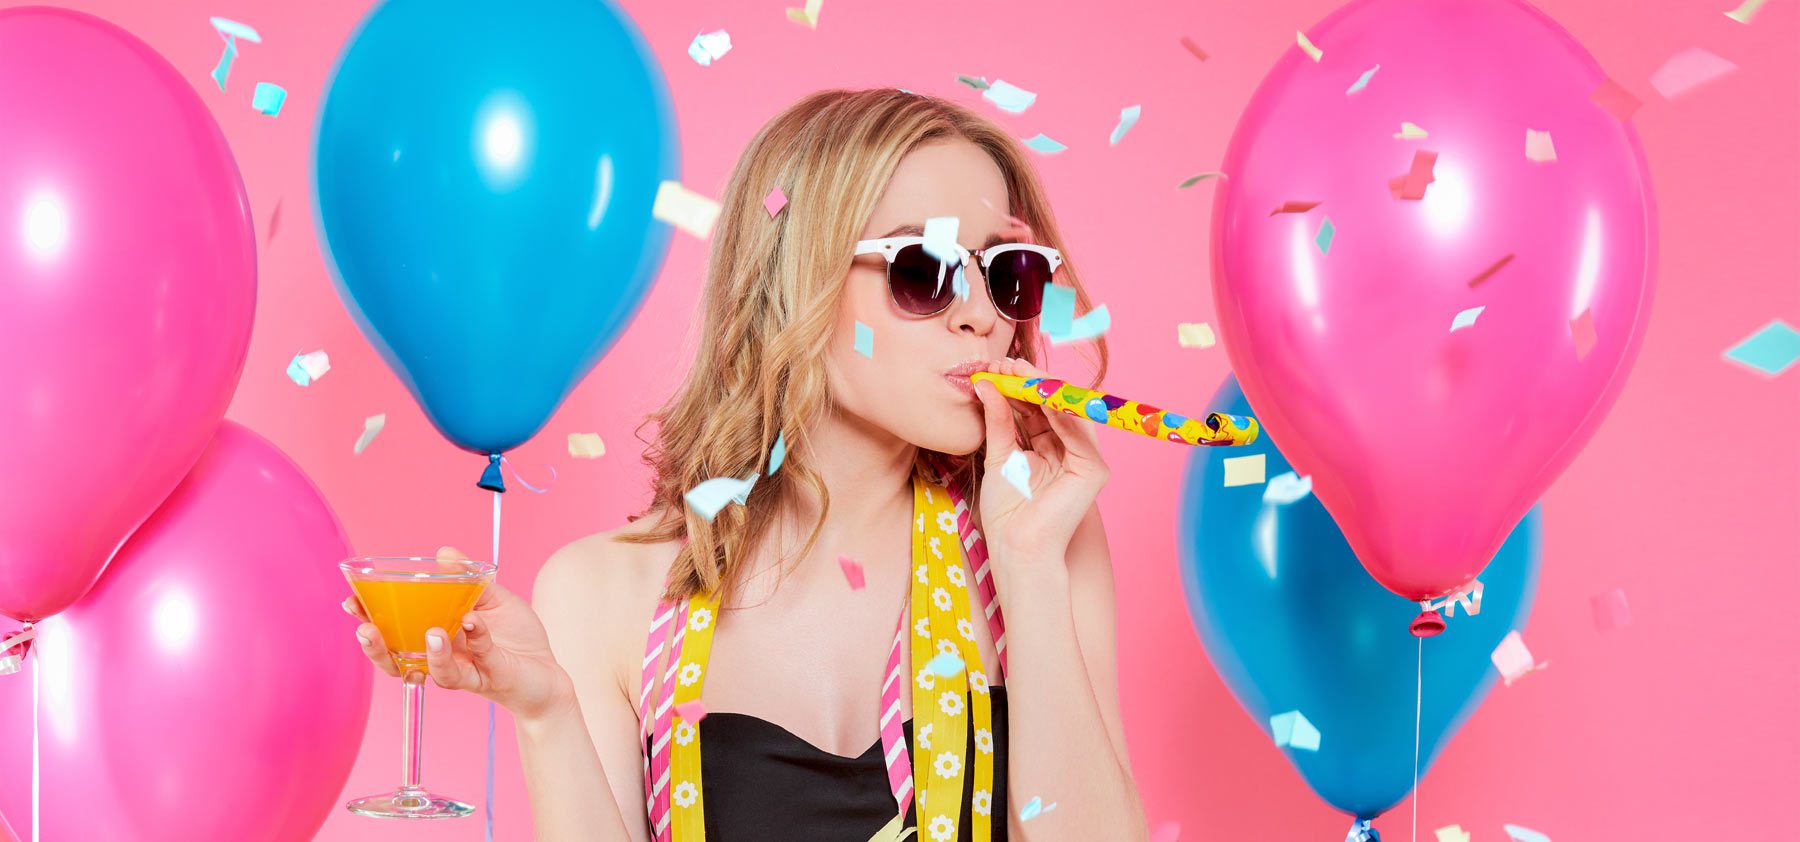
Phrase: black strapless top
(763, 782)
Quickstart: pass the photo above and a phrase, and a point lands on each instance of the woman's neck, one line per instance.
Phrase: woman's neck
(866, 470)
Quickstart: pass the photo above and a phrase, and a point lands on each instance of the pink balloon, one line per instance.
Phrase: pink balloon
(1427, 444)
(128, 283)
(203, 689)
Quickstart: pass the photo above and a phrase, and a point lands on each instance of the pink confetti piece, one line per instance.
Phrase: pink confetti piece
(1193, 48)
(1166, 832)
(274, 223)
(1295, 207)
(1617, 101)
(1582, 328)
(692, 711)
(774, 202)
(1489, 272)
(853, 572)
(1687, 70)
(1411, 186)
(1610, 610)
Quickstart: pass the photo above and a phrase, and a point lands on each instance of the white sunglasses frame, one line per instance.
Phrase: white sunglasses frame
(889, 248)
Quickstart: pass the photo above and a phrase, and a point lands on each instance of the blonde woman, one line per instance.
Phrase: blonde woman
(966, 687)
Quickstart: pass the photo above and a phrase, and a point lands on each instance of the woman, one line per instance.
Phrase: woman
(887, 452)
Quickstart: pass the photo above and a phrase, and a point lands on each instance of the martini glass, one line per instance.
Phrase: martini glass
(404, 597)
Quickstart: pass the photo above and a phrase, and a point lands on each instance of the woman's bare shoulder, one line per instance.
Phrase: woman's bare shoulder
(596, 597)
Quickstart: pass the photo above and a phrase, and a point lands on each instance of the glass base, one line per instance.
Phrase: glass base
(411, 803)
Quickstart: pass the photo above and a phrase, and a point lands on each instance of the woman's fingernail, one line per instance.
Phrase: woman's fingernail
(346, 606)
(434, 641)
(365, 641)
(468, 625)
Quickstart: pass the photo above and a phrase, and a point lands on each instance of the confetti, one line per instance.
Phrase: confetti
(808, 15)
(945, 664)
(1195, 335)
(685, 209)
(864, 341)
(778, 453)
(1489, 272)
(1090, 325)
(1610, 610)
(1044, 143)
(1326, 232)
(1411, 186)
(959, 284)
(1410, 131)
(707, 498)
(940, 240)
(222, 70)
(1199, 178)
(1166, 832)
(1306, 46)
(709, 47)
(1581, 328)
(1452, 833)
(853, 572)
(268, 98)
(979, 83)
(1745, 11)
(1034, 808)
(1466, 318)
(774, 202)
(1017, 470)
(1193, 47)
(1362, 81)
(1287, 488)
(1295, 207)
(1245, 470)
(1538, 148)
(692, 711)
(1057, 317)
(1617, 101)
(1770, 350)
(1128, 117)
(371, 428)
(307, 367)
(1292, 730)
(1009, 97)
(1512, 659)
(274, 223)
(586, 446)
(1687, 70)
(1524, 834)
(233, 30)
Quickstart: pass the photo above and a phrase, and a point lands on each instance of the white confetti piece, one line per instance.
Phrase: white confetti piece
(807, 16)
(1514, 660)
(1294, 730)
(1009, 97)
(1128, 117)
(1287, 488)
(707, 498)
(1452, 833)
(1538, 147)
(1466, 318)
(1017, 470)
(709, 47)
(372, 427)
(940, 238)
(685, 209)
(1245, 470)
(307, 367)
(1195, 335)
(586, 446)
(1687, 70)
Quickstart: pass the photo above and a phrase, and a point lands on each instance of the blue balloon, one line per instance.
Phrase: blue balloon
(1293, 622)
(484, 175)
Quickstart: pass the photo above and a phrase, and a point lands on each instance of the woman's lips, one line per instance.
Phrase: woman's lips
(962, 384)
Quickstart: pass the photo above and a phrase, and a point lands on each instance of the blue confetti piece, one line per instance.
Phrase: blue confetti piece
(297, 373)
(1362, 81)
(1287, 488)
(1042, 143)
(1524, 834)
(1128, 117)
(223, 68)
(1770, 350)
(779, 454)
(960, 283)
(1466, 318)
(231, 30)
(865, 340)
(1009, 97)
(945, 664)
(940, 238)
(1092, 324)
(1034, 808)
(1293, 730)
(1326, 232)
(1059, 309)
(707, 498)
(268, 98)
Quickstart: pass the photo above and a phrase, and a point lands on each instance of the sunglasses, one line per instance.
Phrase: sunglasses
(923, 285)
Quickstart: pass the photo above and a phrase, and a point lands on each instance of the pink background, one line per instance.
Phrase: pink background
(1680, 726)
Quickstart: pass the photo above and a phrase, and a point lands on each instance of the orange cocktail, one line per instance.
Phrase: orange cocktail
(402, 609)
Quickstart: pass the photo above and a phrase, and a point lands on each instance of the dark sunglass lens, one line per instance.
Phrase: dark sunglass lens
(922, 284)
(1016, 281)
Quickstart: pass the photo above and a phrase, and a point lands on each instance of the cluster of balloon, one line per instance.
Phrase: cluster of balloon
(174, 568)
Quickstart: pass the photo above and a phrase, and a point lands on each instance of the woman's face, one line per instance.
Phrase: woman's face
(902, 386)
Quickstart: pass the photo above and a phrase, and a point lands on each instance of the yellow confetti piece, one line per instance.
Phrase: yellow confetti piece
(807, 16)
(1410, 131)
(1195, 335)
(1452, 833)
(685, 209)
(1538, 147)
(372, 427)
(1245, 470)
(1306, 45)
(586, 446)
(1745, 11)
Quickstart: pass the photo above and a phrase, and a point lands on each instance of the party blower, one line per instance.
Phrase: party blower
(1217, 429)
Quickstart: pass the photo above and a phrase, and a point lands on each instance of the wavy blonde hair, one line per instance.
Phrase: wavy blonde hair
(768, 307)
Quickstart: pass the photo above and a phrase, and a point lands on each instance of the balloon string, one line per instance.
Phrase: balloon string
(1418, 699)
(490, 735)
(36, 768)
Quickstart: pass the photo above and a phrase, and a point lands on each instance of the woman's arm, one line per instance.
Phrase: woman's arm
(1065, 738)
(582, 761)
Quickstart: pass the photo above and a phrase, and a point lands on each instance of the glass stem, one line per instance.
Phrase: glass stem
(414, 726)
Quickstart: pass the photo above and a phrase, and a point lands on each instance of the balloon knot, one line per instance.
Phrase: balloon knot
(490, 478)
(1427, 624)
(1362, 832)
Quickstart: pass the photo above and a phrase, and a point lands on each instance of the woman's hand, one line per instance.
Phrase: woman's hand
(1067, 472)
(500, 653)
